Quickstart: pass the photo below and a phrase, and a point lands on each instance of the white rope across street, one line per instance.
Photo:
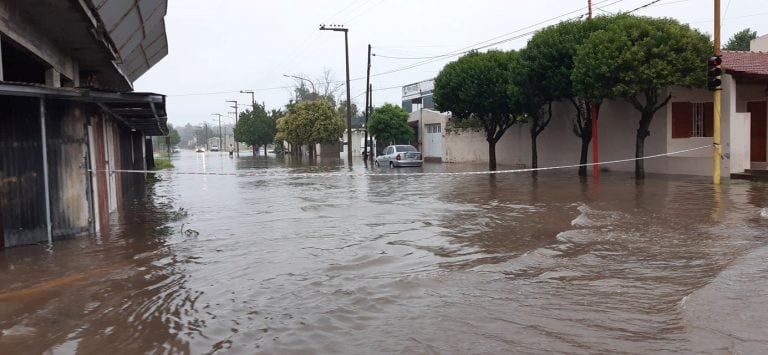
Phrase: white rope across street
(333, 174)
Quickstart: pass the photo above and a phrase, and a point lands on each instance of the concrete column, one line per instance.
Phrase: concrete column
(53, 78)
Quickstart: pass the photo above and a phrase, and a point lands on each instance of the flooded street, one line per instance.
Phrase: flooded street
(264, 262)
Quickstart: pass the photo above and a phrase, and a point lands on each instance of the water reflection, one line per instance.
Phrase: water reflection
(125, 289)
(243, 262)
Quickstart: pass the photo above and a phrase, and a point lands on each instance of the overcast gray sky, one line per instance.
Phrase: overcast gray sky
(218, 48)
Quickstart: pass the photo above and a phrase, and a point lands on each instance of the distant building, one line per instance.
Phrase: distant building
(419, 95)
(759, 44)
(70, 119)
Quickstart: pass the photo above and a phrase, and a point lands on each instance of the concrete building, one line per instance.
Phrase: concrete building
(759, 44)
(70, 119)
(685, 123)
(430, 130)
(419, 96)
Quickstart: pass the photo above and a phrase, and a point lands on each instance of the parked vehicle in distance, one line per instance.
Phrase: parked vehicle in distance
(175, 149)
(214, 148)
(399, 155)
(200, 150)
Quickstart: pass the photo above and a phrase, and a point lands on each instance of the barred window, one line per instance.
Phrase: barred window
(692, 119)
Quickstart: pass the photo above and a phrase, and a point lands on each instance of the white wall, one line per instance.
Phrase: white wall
(617, 129)
(759, 44)
(739, 153)
(747, 93)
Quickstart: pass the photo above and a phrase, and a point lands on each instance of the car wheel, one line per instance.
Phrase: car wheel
(391, 165)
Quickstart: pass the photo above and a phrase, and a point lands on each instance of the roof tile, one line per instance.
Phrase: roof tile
(745, 62)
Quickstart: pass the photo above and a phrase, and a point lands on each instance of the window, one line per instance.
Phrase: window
(692, 119)
(433, 128)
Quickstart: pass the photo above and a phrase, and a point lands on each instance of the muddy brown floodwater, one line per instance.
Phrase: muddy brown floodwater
(397, 263)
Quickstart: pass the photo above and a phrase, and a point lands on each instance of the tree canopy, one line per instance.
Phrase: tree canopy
(477, 86)
(389, 123)
(547, 63)
(255, 127)
(740, 40)
(636, 59)
(310, 122)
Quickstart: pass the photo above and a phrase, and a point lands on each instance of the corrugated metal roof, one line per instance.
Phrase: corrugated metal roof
(137, 28)
(141, 111)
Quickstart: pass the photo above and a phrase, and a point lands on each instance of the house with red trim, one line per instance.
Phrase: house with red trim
(681, 132)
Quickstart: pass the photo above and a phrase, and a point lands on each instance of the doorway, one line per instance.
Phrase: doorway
(758, 130)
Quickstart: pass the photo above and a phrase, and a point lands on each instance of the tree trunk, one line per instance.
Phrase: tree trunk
(255, 150)
(642, 133)
(265, 150)
(586, 139)
(491, 155)
(534, 151)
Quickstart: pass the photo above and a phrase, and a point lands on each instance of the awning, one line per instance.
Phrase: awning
(140, 111)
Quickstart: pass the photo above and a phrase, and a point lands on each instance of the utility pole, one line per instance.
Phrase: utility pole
(220, 144)
(593, 116)
(237, 145)
(349, 100)
(716, 153)
(370, 99)
(367, 104)
(253, 96)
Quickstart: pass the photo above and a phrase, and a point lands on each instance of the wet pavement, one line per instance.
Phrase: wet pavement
(399, 263)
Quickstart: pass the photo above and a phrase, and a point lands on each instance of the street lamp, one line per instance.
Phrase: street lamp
(314, 91)
(253, 96)
(349, 101)
(237, 145)
(218, 114)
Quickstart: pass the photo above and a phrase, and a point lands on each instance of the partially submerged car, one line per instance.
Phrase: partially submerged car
(399, 155)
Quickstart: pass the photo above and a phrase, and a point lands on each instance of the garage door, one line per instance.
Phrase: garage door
(434, 140)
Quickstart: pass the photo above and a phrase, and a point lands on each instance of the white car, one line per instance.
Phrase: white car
(399, 155)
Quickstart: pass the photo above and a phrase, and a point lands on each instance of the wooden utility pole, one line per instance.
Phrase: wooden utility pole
(716, 152)
(367, 103)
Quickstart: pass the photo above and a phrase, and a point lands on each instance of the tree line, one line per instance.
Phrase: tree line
(584, 63)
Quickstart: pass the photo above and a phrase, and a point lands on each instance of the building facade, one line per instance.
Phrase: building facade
(70, 119)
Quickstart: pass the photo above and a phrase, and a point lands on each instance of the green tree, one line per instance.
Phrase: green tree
(389, 123)
(637, 59)
(740, 40)
(173, 136)
(310, 122)
(547, 65)
(169, 140)
(477, 86)
(342, 110)
(256, 128)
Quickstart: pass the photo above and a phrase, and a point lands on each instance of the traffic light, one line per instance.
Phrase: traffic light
(714, 73)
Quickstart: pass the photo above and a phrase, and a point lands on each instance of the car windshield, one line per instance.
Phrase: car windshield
(405, 148)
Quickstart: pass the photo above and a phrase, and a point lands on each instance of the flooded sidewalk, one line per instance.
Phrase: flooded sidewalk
(390, 262)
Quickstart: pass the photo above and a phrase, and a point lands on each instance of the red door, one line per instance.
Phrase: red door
(758, 130)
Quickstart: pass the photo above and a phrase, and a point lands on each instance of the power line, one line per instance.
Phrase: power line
(430, 59)
(226, 92)
(646, 5)
(468, 49)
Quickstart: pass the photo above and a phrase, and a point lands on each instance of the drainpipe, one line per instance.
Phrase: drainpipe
(44, 140)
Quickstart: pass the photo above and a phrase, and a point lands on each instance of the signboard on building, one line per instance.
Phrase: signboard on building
(417, 90)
